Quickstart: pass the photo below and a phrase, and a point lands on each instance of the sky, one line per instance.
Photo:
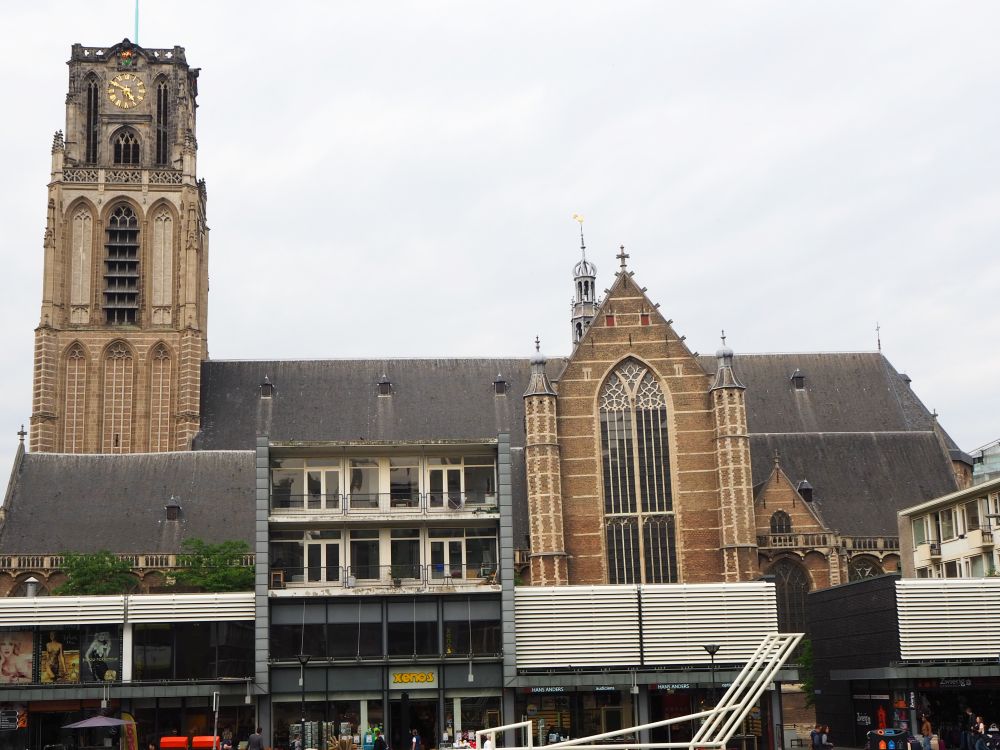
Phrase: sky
(398, 179)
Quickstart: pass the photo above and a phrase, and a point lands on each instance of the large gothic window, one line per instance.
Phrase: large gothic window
(126, 148)
(781, 523)
(75, 407)
(161, 271)
(159, 399)
(162, 141)
(90, 123)
(791, 584)
(638, 503)
(117, 408)
(121, 267)
(81, 248)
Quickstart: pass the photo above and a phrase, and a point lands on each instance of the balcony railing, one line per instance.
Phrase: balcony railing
(43, 562)
(873, 543)
(399, 575)
(790, 541)
(370, 503)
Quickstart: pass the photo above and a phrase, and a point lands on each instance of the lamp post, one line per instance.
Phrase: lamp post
(712, 649)
(303, 660)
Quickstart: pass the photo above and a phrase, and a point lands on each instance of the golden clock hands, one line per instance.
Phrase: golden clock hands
(128, 93)
(115, 83)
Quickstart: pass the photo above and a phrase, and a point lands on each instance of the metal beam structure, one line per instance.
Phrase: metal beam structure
(719, 725)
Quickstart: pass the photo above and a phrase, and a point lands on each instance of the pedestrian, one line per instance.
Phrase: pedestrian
(379, 743)
(816, 737)
(826, 741)
(926, 731)
(979, 734)
(968, 722)
(488, 742)
(297, 742)
(256, 741)
(415, 741)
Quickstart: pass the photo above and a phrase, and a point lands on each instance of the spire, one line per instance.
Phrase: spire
(585, 290)
(538, 384)
(622, 257)
(724, 376)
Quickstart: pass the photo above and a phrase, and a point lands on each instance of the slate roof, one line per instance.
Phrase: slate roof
(86, 503)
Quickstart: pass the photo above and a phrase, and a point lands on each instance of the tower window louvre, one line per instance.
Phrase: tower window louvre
(162, 143)
(90, 126)
(609, 320)
(644, 319)
(121, 267)
(126, 148)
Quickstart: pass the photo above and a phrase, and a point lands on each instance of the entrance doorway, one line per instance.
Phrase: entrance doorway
(405, 715)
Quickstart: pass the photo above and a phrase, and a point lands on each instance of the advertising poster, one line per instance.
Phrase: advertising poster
(100, 648)
(59, 656)
(16, 656)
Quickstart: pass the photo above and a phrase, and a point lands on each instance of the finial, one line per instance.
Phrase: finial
(878, 336)
(538, 344)
(622, 256)
(777, 458)
(723, 336)
(583, 248)
(21, 433)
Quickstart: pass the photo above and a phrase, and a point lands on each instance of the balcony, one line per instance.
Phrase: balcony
(872, 543)
(382, 504)
(981, 537)
(387, 578)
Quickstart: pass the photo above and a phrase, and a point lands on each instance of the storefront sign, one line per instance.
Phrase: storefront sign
(427, 678)
(8, 721)
(547, 690)
(671, 686)
(605, 689)
(959, 682)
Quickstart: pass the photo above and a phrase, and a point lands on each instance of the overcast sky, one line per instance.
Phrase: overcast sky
(398, 179)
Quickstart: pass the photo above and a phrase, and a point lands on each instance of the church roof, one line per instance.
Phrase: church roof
(338, 400)
(87, 503)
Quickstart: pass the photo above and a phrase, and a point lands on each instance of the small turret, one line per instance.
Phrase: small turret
(585, 293)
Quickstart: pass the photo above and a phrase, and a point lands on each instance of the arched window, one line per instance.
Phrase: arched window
(791, 584)
(92, 93)
(638, 502)
(162, 113)
(781, 523)
(121, 267)
(126, 148)
(863, 566)
(75, 408)
(80, 268)
(159, 399)
(117, 407)
(161, 271)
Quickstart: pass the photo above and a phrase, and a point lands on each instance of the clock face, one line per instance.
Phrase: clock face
(126, 90)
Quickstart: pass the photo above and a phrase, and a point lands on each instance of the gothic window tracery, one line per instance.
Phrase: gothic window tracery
(75, 392)
(126, 148)
(117, 403)
(639, 520)
(791, 584)
(781, 523)
(863, 566)
(159, 399)
(90, 122)
(82, 239)
(161, 272)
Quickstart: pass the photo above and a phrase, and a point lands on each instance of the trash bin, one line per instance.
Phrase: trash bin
(174, 742)
(204, 742)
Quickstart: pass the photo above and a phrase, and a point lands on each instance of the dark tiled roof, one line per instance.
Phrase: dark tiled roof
(859, 480)
(844, 392)
(86, 503)
(337, 400)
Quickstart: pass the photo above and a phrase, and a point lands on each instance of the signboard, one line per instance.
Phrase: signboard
(8, 720)
(425, 678)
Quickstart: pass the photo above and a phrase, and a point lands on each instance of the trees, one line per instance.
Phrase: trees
(215, 567)
(94, 573)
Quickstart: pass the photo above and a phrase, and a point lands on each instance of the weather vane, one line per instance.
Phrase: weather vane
(579, 219)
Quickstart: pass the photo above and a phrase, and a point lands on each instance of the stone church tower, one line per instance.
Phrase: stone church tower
(122, 332)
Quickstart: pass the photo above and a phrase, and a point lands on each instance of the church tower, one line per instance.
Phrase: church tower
(122, 332)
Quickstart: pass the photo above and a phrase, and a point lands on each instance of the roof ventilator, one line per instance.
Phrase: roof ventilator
(266, 388)
(384, 386)
(798, 379)
(173, 509)
(805, 490)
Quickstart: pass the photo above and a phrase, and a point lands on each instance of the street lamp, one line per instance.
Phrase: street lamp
(712, 649)
(303, 660)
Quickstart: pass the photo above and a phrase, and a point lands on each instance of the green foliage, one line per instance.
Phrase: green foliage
(95, 573)
(215, 567)
(806, 674)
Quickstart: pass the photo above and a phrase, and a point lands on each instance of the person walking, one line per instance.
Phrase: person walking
(256, 740)
(926, 731)
(415, 741)
(379, 743)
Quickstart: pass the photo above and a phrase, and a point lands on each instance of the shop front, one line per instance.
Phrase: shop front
(562, 712)
(344, 705)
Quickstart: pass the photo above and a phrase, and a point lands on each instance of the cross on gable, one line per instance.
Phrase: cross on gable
(21, 433)
(622, 256)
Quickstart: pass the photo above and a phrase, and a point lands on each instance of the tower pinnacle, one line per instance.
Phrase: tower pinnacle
(585, 297)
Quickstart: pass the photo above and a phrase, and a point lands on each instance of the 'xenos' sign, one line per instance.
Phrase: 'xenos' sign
(409, 678)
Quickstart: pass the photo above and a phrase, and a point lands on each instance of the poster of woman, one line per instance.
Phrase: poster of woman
(60, 657)
(16, 650)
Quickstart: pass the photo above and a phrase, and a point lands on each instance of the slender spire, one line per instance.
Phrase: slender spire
(538, 383)
(878, 335)
(538, 344)
(583, 247)
(723, 337)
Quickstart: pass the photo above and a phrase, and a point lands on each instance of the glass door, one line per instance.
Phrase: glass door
(447, 559)
(445, 487)
(323, 562)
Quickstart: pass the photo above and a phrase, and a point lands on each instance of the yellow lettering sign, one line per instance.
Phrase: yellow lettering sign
(406, 678)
